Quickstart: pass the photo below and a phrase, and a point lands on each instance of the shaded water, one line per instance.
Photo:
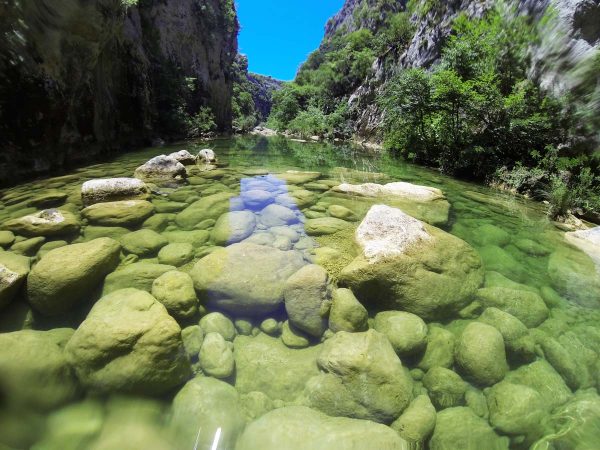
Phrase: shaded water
(523, 254)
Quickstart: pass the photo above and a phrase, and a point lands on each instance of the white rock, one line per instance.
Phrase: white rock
(388, 232)
(399, 189)
(161, 166)
(184, 157)
(113, 189)
(263, 131)
(587, 241)
(207, 155)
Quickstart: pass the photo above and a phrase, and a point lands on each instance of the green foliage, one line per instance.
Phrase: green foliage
(200, 124)
(129, 3)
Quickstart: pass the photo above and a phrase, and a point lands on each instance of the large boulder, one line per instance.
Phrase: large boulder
(408, 265)
(347, 314)
(210, 207)
(245, 279)
(113, 189)
(263, 363)
(13, 271)
(480, 354)
(307, 297)
(363, 378)
(300, 428)
(406, 332)
(204, 408)
(120, 213)
(68, 275)
(575, 276)
(161, 167)
(233, 227)
(129, 343)
(526, 306)
(34, 372)
(50, 222)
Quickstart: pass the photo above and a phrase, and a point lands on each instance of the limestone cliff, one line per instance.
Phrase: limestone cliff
(81, 78)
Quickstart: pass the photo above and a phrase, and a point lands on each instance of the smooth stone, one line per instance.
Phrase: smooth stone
(168, 207)
(575, 276)
(233, 227)
(243, 327)
(341, 212)
(113, 189)
(138, 275)
(48, 223)
(209, 207)
(516, 337)
(206, 155)
(526, 306)
(226, 281)
(192, 338)
(216, 357)
(128, 343)
(292, 337)
(488, 234)
(406, 332)
(480, 354)
(298, 177)
(143, 242)
(277, 215)
(120, 213)
(531, 248)
(49, 246)
(499, 260)
(6, 238)
(184, 157)
(347, 314)
(440, 349)
(257, 198)
(216, 322)
(160, 167)
(28, 247)
(325, 226)
(13, 272)
(49, 199)
(445, 388)
(270, 326)
(417, 422)
(175, 290)
(92, 232)
(69, 275)
(195, 237)
(176, 254)
(286, 232)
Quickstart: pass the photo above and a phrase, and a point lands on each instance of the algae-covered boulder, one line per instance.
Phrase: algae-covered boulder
(341, 212)
(143, 242)
(211, 207)
(177, 254)
(575, 276)
(129, 343)
(70, 274)
(488, 234)
(417, 422)
(50, 222)
(439, 351)
(233, 227)
(6, 238)
(216, 322)
(278, 216)
(139, 276)
(459, 429)
(562, 361)
(406, 332)
(13, 271)
(300, 428)
(245, 279)
(519, 344)
(480, 354)
(526, 306)
(307, 295)
(175, 290)
(263, 363)
(347, 314)
(216, 356)
(445, 387)
(363, 378)
(206, 405)
(408, 265)
(161, 167)
(120, 213)
(113, 189)
(34, 372)
(325, 225)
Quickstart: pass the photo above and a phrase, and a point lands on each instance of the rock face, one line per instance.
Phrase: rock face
(13, 271)
(245, 279)
(80, 108)
(363, 378)
(407, 265)
(50, 222)
(113, 189)
(298, 428)
(129, 343)
(70, 274)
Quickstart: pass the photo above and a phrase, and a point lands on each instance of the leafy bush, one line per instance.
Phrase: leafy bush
(201, 124)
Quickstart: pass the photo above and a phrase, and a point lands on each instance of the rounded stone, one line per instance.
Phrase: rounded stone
(440, 349)
(216, 357)
(293, 338)
(176, 254)
(143, 242)
(445, 387)
(270, 326)
(277, 215)
(120, 213)
(347, 314)
(50, 222)
(216, 322)
(406, 332)
(175, 290)
(233, 227)
(417, 422)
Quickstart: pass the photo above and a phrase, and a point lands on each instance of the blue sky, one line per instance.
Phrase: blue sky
(278, 35)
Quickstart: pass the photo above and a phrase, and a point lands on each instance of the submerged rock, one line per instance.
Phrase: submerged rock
(120, 213)
(161, 167)
(184, 157)
(13, 271)
(143, 242)
(440, 349)
(363, 378)
(206, 155)
(347, 314)
(139, 276)
(325, 225)
(215, 322)
(299, 428)
(70, 274)
(211, 207)
(417, 422)
(519, 344)
(129, 343)
(6, 238)
(406, 332)
(587, 241)
(113, 189)
(216, 356)
(575, 276)
(50, 222)
(177, 254)
(526, 306)
(446, 388)
(405, 264)
(233, 227)
(245, 279)
(175, 290)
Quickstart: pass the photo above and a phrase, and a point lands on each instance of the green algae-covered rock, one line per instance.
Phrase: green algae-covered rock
(216, 322)
(6, 238)
(526, 306)
(347, 314)
(212, 405)
(406, 332)
(516, 410)
(92, 232)
(34, 372)
(489, 234)
(562, 361)
(216, 356)
(263, 363)
(298, 177)
(121, 213)
(233, 227)
(325, 225)
(459, 429)
(129, 343)
(245, 279)
(439, 351)
(408, 265)
(158, 222)
(499, 260)
(49, 246)
(341, 212)
(445, 387)
(211, 207)
(138, 275)
(531, 247)
(574, 275)
(195, 237)
(175, 290)
(480, 354)
(417, 422)
(256, 404)
(519, 344)
(176, 254)
(50, 222)
(28, 247)
(13, 271)
(307, 295)
(365, 374)
(49, 199)
(292, 337)
(70, 274)
(300, 428)
(143, 242)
